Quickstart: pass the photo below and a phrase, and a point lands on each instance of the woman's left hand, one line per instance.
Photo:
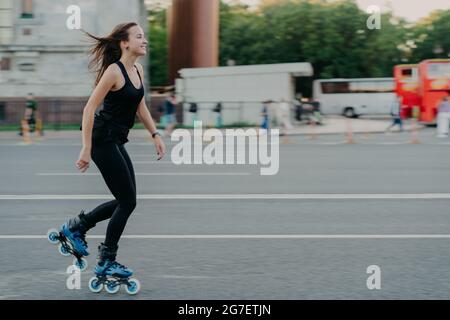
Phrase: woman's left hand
(160, 147)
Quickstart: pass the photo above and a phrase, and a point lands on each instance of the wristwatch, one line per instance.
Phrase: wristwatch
(156, 133)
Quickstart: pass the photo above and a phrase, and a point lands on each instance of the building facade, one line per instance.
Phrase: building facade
(41, 54)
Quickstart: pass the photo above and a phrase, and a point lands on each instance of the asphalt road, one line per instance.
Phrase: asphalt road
(227, 232)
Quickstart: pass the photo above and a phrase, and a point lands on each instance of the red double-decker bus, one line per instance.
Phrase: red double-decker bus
(434, 84)
(407, 87)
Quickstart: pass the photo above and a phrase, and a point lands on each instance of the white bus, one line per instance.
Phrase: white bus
(355, 97)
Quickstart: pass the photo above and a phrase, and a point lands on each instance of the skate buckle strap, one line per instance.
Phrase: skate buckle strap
(118, 265)
(81, 236)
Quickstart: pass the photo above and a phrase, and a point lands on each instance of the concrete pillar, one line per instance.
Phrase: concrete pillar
(193, 27)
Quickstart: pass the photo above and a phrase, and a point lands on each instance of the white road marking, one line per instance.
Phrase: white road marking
(256, 196)
(153, 162)
(393, 143)
(250, 236)
(331, 143)
(148, 174)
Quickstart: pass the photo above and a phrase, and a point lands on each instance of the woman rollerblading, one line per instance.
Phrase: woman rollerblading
(120, 87)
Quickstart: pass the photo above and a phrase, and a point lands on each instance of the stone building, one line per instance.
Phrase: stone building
(40, 54)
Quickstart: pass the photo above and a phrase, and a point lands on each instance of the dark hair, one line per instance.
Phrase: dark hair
(106, 50)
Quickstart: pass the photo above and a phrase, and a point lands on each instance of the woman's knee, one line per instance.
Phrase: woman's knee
(129, 204)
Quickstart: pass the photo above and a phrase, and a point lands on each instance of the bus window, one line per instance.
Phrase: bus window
(406, 73)
(371, 86)
(335, 87)
(438, 70)
(356, 87)
(386, 86)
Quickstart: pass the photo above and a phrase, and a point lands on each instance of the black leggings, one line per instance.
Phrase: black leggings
(117, 170)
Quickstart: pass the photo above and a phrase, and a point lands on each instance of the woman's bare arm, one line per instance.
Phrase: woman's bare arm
(147, 119)
(142, 111)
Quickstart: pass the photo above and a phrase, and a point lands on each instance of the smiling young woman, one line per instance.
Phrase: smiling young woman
(120, 87)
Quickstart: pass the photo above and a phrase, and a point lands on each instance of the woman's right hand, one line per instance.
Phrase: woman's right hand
(84, 159)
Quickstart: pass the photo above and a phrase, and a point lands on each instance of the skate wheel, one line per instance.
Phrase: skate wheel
(112, 287)
(82, 265)
(95, 285)
(133, 287)
(52, 236)
(63, 250)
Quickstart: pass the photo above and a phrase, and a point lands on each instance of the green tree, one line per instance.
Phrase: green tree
(332, 35)
(158, 48)
(431, 37)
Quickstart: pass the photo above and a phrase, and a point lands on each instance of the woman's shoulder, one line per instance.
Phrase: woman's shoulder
(112, 72)
(113, 68)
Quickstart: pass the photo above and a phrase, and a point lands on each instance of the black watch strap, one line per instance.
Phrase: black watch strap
(156, 133)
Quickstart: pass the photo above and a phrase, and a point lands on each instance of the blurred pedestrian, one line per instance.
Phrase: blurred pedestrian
(316, 115)
(396, 116)
(162, 114)
(443, 118)
(265, 114)
(193, 108)
(169, 107)
(298, 107)
(218, 109)
(284, 113)
(30, 114)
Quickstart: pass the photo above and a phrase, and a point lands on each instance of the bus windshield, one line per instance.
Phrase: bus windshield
(438, 70)
(409, 74)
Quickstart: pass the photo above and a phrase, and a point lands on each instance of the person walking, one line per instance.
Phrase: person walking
(265, 114)
(297, 103)
(218, 110)
(193, 108)
(30, 115)
(119, 85)
(443, 118)
(396, 116)
(169, 108)
(285, 115)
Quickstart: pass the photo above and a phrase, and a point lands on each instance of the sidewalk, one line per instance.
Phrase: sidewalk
(335, 125)
(332, 125)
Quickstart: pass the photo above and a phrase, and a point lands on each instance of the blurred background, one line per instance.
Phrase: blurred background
(225, 59)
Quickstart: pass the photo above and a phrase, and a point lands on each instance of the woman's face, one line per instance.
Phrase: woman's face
(137, 43)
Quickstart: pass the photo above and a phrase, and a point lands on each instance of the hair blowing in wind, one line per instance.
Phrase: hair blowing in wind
(106, 50)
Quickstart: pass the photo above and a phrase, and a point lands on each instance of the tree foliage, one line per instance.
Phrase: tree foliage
(332, 35)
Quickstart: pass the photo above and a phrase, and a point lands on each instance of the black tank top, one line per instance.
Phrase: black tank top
(117, 116)
(120, 106)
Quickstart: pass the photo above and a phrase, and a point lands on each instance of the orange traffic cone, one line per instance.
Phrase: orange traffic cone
(414, 133)
(26, 132)
(349, 133)
(38, 129)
